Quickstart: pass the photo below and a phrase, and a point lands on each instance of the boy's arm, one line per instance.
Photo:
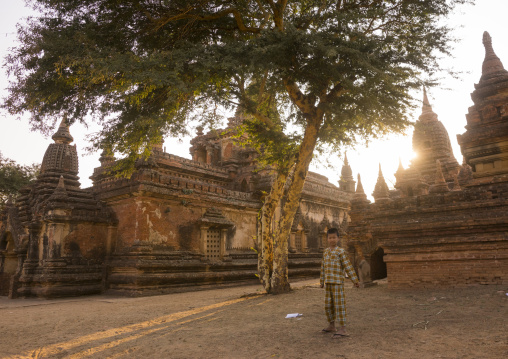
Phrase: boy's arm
(348, 268)
(322, 274)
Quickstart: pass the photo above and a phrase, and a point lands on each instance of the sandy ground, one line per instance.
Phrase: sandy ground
(242, 322)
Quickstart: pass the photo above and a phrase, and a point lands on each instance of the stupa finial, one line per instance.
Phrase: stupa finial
(62, 135)
(346, 172)
(359, 186)
(381, 189)
(491, 64)
(400, 168)
(425, 98)
(427, 113)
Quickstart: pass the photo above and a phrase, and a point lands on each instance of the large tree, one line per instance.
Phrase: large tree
(13, 177)
(311, 75)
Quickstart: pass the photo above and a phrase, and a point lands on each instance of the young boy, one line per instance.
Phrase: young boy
(335, 263)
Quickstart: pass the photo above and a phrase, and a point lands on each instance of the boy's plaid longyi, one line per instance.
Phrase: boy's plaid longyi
(335, 303)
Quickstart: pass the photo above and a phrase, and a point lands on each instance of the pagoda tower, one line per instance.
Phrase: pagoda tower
(381, 192)
(484, 145)
(346, 182)
(431, 144)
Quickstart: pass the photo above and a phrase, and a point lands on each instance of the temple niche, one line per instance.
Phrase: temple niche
(175, 224)
(444, 224)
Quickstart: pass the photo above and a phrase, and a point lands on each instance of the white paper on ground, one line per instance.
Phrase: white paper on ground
(293, 315)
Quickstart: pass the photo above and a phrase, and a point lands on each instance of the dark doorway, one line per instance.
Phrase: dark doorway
(377, 264)
(244, 187)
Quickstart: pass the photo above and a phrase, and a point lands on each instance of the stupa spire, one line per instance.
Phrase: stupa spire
(346, 172)
(427, 113)
(346, 182)
(401, 168)
(426, 102)
(59, 197)
(359, 186)
(381, 188)
(107, 155)
(491, 64)
(360, 196)
(63, 135)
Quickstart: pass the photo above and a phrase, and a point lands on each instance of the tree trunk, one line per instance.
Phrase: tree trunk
(265, 233)
(279, 280)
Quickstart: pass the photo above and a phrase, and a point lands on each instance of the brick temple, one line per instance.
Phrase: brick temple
(175, 224)
(444, 224)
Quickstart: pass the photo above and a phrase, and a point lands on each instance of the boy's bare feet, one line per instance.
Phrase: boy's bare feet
(330, 328)
(340, 333)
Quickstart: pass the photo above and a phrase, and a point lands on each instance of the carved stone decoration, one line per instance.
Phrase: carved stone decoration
(465, 175)
(364, 274)
(439, 185)
(503, 111)
(324, 226)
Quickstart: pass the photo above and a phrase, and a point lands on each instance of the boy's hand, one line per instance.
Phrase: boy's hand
(357, 285)
(321, 285)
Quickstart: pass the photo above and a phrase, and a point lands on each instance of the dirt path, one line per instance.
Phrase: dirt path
(243, 323)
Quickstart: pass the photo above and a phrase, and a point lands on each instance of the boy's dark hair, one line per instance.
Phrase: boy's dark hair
(332, 231)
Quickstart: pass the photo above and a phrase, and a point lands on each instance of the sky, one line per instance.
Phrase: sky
(450, 102)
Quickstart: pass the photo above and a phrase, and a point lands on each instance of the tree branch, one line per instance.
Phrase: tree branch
(185, 15)
(303, 102)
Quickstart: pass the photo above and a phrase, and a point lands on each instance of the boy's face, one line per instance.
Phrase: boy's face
(333, 239)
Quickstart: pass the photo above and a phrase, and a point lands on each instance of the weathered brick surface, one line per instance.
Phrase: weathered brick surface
(58, 230)
(450, 228)
(175, 223)
(160, 213)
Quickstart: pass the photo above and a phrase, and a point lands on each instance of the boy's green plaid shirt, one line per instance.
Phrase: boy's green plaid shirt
(334, 266)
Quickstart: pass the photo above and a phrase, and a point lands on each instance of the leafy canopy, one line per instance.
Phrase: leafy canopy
(144, 68)
(13, 177)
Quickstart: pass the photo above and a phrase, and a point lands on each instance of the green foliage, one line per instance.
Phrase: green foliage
(14, 176)
(144, 68)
